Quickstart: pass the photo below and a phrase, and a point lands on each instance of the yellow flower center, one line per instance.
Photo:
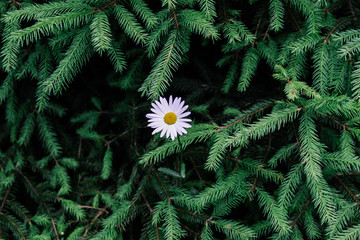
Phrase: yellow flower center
(170, 118)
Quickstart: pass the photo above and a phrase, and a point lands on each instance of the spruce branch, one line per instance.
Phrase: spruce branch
(15, 3)
(175, 18)
(130, 25)
(162, 185)
(42, 202)
(333, 29)
(4, 199)
(208, 8)
(76, 56)
(257, 27)
(147, 203)
(103, 8)
(14, 224)
(290, 155)
(243, 118)
(145, 13)
(101, 32)
(311, 155)
(297, 219)
(292, 17)
(168, 61)
(276, 12)
(348, 190)
(103, 210)
(352, 10)
(198, 173)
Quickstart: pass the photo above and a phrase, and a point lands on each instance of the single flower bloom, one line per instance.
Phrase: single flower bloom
(169, 117)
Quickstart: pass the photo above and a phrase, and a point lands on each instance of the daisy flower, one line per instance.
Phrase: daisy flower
(169, 117)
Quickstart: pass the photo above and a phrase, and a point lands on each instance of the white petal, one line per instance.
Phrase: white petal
(152, 115)
(181, 130)
(157, 111)
(165, 105)
(156, 120)
(173, 132)
(172, 136)
(184, 125)
(184, 120)
(184, 114)
(170, 102)
(161, 120)
(161, 106)
(184, 109)
(156, 125)
(156, 130)
(156, 107)
(181, 104)
(176, 103)
(167, 133)
(177, 109)
(163, 132)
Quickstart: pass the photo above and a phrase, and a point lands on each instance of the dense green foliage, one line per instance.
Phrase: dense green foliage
(273, 87)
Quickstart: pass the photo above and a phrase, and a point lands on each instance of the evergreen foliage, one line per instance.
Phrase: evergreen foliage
(273, 88)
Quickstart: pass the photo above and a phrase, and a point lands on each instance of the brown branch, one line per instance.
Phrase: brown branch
(293, 17)
(268, 148)
(151, 212)
(157, 233)
(15, 3)
(79, 148)
(194, 214)
(147, 203)
(267, 31)
(192, 152)
(175, 18)
(135, 200)
(296, 137)
(56, 161)
(253, 186)
(326, 11)
(17, 208)
(4, 200)
(348, 190)
(198, 174)
(243, 118)
(162, 186)
(90, 207)
(334, 28)
(107, 143)
(38, 196)
(106, 6)
(349, 174)
(17, 228)
(352, 10)
(8, 157)
(224, 10)
(190, 230)
(344, 126)
(301, 213)
(257, 27)
(93, 220)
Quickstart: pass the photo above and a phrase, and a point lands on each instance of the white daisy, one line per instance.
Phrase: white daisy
(169, 117)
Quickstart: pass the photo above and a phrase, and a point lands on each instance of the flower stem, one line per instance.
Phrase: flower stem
(181, 149)
(182, 164)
